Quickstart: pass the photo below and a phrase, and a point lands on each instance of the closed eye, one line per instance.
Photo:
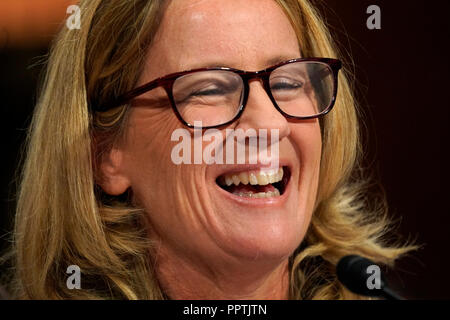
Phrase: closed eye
(286, 85)
(211, 92)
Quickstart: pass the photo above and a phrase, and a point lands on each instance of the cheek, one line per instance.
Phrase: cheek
(307, 140)
(148, 143)
(167, 191)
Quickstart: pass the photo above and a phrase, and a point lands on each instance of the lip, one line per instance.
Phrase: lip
(254, 202)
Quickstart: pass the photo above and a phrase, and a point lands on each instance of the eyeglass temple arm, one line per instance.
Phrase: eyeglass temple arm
(122, 99)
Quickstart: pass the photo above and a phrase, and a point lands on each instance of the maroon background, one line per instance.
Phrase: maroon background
(403, 74)
(403, 86)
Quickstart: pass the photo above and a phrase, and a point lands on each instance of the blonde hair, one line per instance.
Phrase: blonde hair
(64, 219)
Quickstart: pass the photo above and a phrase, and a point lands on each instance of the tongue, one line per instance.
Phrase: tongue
(251, 189)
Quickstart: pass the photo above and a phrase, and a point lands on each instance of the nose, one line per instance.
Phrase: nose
(260, 113)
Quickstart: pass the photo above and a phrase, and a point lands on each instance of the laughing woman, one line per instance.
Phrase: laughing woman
(100, 188)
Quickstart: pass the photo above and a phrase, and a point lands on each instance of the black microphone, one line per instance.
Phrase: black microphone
(364, 277)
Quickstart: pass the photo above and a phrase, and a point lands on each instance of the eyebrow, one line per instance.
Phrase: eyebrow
(268, 63)
(279, 59)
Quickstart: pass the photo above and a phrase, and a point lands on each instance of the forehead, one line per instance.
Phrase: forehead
(243, 34)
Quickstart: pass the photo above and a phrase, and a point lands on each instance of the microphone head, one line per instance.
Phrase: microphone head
(354, 271)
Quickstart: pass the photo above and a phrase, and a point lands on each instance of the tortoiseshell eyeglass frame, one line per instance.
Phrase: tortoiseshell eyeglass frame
(167, 82)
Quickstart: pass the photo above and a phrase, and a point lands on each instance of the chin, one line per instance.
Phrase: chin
(257, 212)
(273, 245)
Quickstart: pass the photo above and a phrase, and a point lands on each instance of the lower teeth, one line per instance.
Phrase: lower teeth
(269, 194)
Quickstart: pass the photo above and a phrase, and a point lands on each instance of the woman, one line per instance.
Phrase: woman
(101, 190)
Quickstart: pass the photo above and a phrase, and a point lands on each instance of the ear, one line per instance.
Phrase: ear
(113, 180)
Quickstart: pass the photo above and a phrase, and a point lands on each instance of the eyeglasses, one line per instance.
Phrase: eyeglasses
(298, 88)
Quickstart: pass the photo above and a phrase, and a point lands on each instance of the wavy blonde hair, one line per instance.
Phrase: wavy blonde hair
(63, 218)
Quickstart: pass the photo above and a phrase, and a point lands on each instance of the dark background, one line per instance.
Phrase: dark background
(402, 78)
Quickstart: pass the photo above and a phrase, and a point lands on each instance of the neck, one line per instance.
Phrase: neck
(182, 278)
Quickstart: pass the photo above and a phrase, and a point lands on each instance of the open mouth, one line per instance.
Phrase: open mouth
(262, 183)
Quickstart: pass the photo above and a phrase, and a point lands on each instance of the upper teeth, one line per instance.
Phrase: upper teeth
(262, 177)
